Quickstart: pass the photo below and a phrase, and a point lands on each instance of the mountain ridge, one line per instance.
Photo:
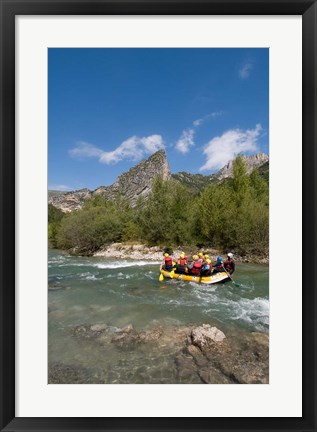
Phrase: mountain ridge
(137, 181)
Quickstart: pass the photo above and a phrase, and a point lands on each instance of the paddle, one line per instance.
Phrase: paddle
(229, 276)
(161, 278)
(171, 275)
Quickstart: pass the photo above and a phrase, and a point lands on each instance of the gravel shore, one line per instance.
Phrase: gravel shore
(155, 253)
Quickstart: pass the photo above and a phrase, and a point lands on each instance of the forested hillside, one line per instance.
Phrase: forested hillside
(231, 215)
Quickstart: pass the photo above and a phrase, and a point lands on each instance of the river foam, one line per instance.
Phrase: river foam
(124, 264)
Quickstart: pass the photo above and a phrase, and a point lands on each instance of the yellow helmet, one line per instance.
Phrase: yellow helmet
(166, 255)
(208, 261)
(206, 256)
(195, 257)
(200, 254)
(182, 255)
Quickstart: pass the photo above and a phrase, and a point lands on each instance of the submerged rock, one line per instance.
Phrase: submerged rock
(98, 327)
(248, 361)
(126, 338)
(60, 373)
(57, 287)
(96, 332)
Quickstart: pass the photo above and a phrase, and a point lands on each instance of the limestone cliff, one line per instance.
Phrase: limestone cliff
(69, 201)
(131, 185)
(251, 163)
(138, 180)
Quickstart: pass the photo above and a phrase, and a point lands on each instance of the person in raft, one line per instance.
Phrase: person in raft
(218, 265)
(206, 257)
(181, 263)
(229, 264)
(168, 262)
(206, 268)
(200, 257)
(195, 267)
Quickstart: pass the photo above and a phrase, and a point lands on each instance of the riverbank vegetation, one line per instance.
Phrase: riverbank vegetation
(231, 215)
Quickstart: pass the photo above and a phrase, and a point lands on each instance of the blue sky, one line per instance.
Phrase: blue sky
(110, 108)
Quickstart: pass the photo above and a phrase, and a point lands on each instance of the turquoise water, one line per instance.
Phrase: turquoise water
(120, 292)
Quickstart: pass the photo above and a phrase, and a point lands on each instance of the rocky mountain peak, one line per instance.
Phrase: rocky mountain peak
(251, 162)
(138, 180)
(131, 185)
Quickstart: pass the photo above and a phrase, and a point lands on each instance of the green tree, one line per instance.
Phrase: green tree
(260, 187)
(234, 214)
(54, 214)
(166, 216)
(154, 218)
(128, 221)
(55, 217)
(86, 230)
(216, 210)
(240, 181)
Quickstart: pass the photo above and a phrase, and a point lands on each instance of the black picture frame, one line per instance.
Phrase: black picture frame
(9, 10)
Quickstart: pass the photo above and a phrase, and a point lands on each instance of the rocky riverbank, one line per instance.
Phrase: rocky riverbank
(154, 253)
(181, 354)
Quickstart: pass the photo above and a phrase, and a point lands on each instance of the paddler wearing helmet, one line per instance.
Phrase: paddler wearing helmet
(168, 262)
(195, 267)
(200, 257)
(205, 258)
(218, 265)
(181, 263)
(229, 264)
(206, 268)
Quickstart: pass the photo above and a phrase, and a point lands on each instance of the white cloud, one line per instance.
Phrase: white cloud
(152, 143)
(198, 122)
(134, 148)
(213, 115)
(186, 140)
(62, 188)
(220, 150)
(84, 150)
(245, 71)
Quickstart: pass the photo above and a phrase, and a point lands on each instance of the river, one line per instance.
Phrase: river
(87, 291)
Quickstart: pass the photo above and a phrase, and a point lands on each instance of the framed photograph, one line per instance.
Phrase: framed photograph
(158, 215)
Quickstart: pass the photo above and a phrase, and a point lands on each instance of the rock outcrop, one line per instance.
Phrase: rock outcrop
(138, 180)
(130, 185)
(205, 336)
(195, 183)
(69, 201)
(251, 162)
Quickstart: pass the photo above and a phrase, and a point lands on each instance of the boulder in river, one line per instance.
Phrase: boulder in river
(205, 336)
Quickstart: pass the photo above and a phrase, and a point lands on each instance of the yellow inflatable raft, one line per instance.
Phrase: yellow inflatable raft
(213, 279)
